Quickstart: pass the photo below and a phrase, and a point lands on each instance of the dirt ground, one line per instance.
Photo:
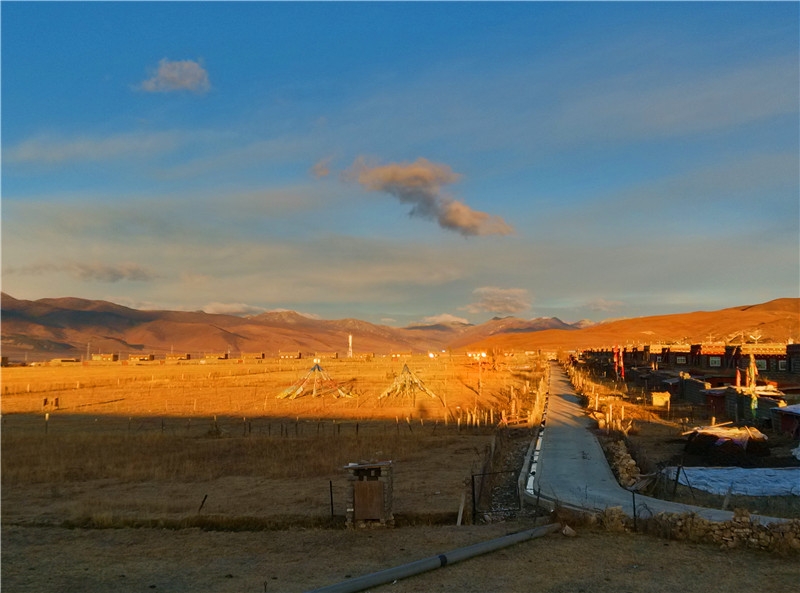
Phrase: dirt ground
(39, 554)
(38, 560)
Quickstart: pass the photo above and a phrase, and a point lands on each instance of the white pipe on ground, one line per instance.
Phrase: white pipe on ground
(413, 568)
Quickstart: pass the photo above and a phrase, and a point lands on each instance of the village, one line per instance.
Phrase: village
(754, 383)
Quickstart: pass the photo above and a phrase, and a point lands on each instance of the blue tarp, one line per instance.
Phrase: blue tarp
(779, 481)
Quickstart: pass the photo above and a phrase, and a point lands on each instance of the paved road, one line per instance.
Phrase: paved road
(570, 468)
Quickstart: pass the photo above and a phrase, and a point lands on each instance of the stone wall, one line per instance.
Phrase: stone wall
(622, 464)
(742, 531)
(692, 391)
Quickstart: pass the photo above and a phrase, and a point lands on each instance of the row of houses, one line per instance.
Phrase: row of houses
(763, 405)
(717, 377)
(214, 356)
(774, 357)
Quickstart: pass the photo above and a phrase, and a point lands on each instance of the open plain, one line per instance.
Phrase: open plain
(199, 477)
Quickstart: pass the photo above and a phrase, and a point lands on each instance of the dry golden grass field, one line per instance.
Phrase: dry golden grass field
(199, 478)
(251, 388)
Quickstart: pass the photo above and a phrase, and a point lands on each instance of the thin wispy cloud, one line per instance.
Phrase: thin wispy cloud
(142, 219)
(709, 191)
(88, 272)
(421, 184)
(680, 103)
(604, 305)
(177, 75)
(233, 151)
(322, 168)
(445, 318)
(504, 301)
(237, 309)
(53, 150)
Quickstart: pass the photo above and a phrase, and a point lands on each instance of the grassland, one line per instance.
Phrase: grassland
(251, 388)
(139, 444)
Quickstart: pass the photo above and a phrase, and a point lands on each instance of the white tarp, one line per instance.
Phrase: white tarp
(740, 436)
(762, 481)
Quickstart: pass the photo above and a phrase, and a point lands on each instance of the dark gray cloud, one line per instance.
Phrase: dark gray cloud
(420, 184)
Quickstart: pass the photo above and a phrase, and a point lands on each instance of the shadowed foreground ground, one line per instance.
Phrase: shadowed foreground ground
(93, 561)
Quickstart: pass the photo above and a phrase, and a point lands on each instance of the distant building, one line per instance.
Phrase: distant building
(326, 355)
(175, 357)
(290, 355)
(793, 358)
(655, 353)
(216, 356)
(769, 357)
(141, 357)
(635, 356)
(708, 356)
(253, 355)
(678, 355)
(102, 357)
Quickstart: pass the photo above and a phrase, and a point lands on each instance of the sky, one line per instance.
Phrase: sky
(402, 163)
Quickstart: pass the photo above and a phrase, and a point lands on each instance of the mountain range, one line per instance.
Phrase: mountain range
(59, 327)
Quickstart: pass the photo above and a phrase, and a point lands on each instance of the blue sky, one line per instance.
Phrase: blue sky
(402, 162)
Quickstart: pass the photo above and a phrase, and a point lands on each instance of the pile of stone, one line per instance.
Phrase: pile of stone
(622, 464)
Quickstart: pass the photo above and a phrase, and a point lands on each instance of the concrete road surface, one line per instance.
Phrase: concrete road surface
(570, 469)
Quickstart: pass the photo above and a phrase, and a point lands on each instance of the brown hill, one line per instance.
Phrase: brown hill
(774, 321)
(505, 328)
(53, 327)
(71, 327)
